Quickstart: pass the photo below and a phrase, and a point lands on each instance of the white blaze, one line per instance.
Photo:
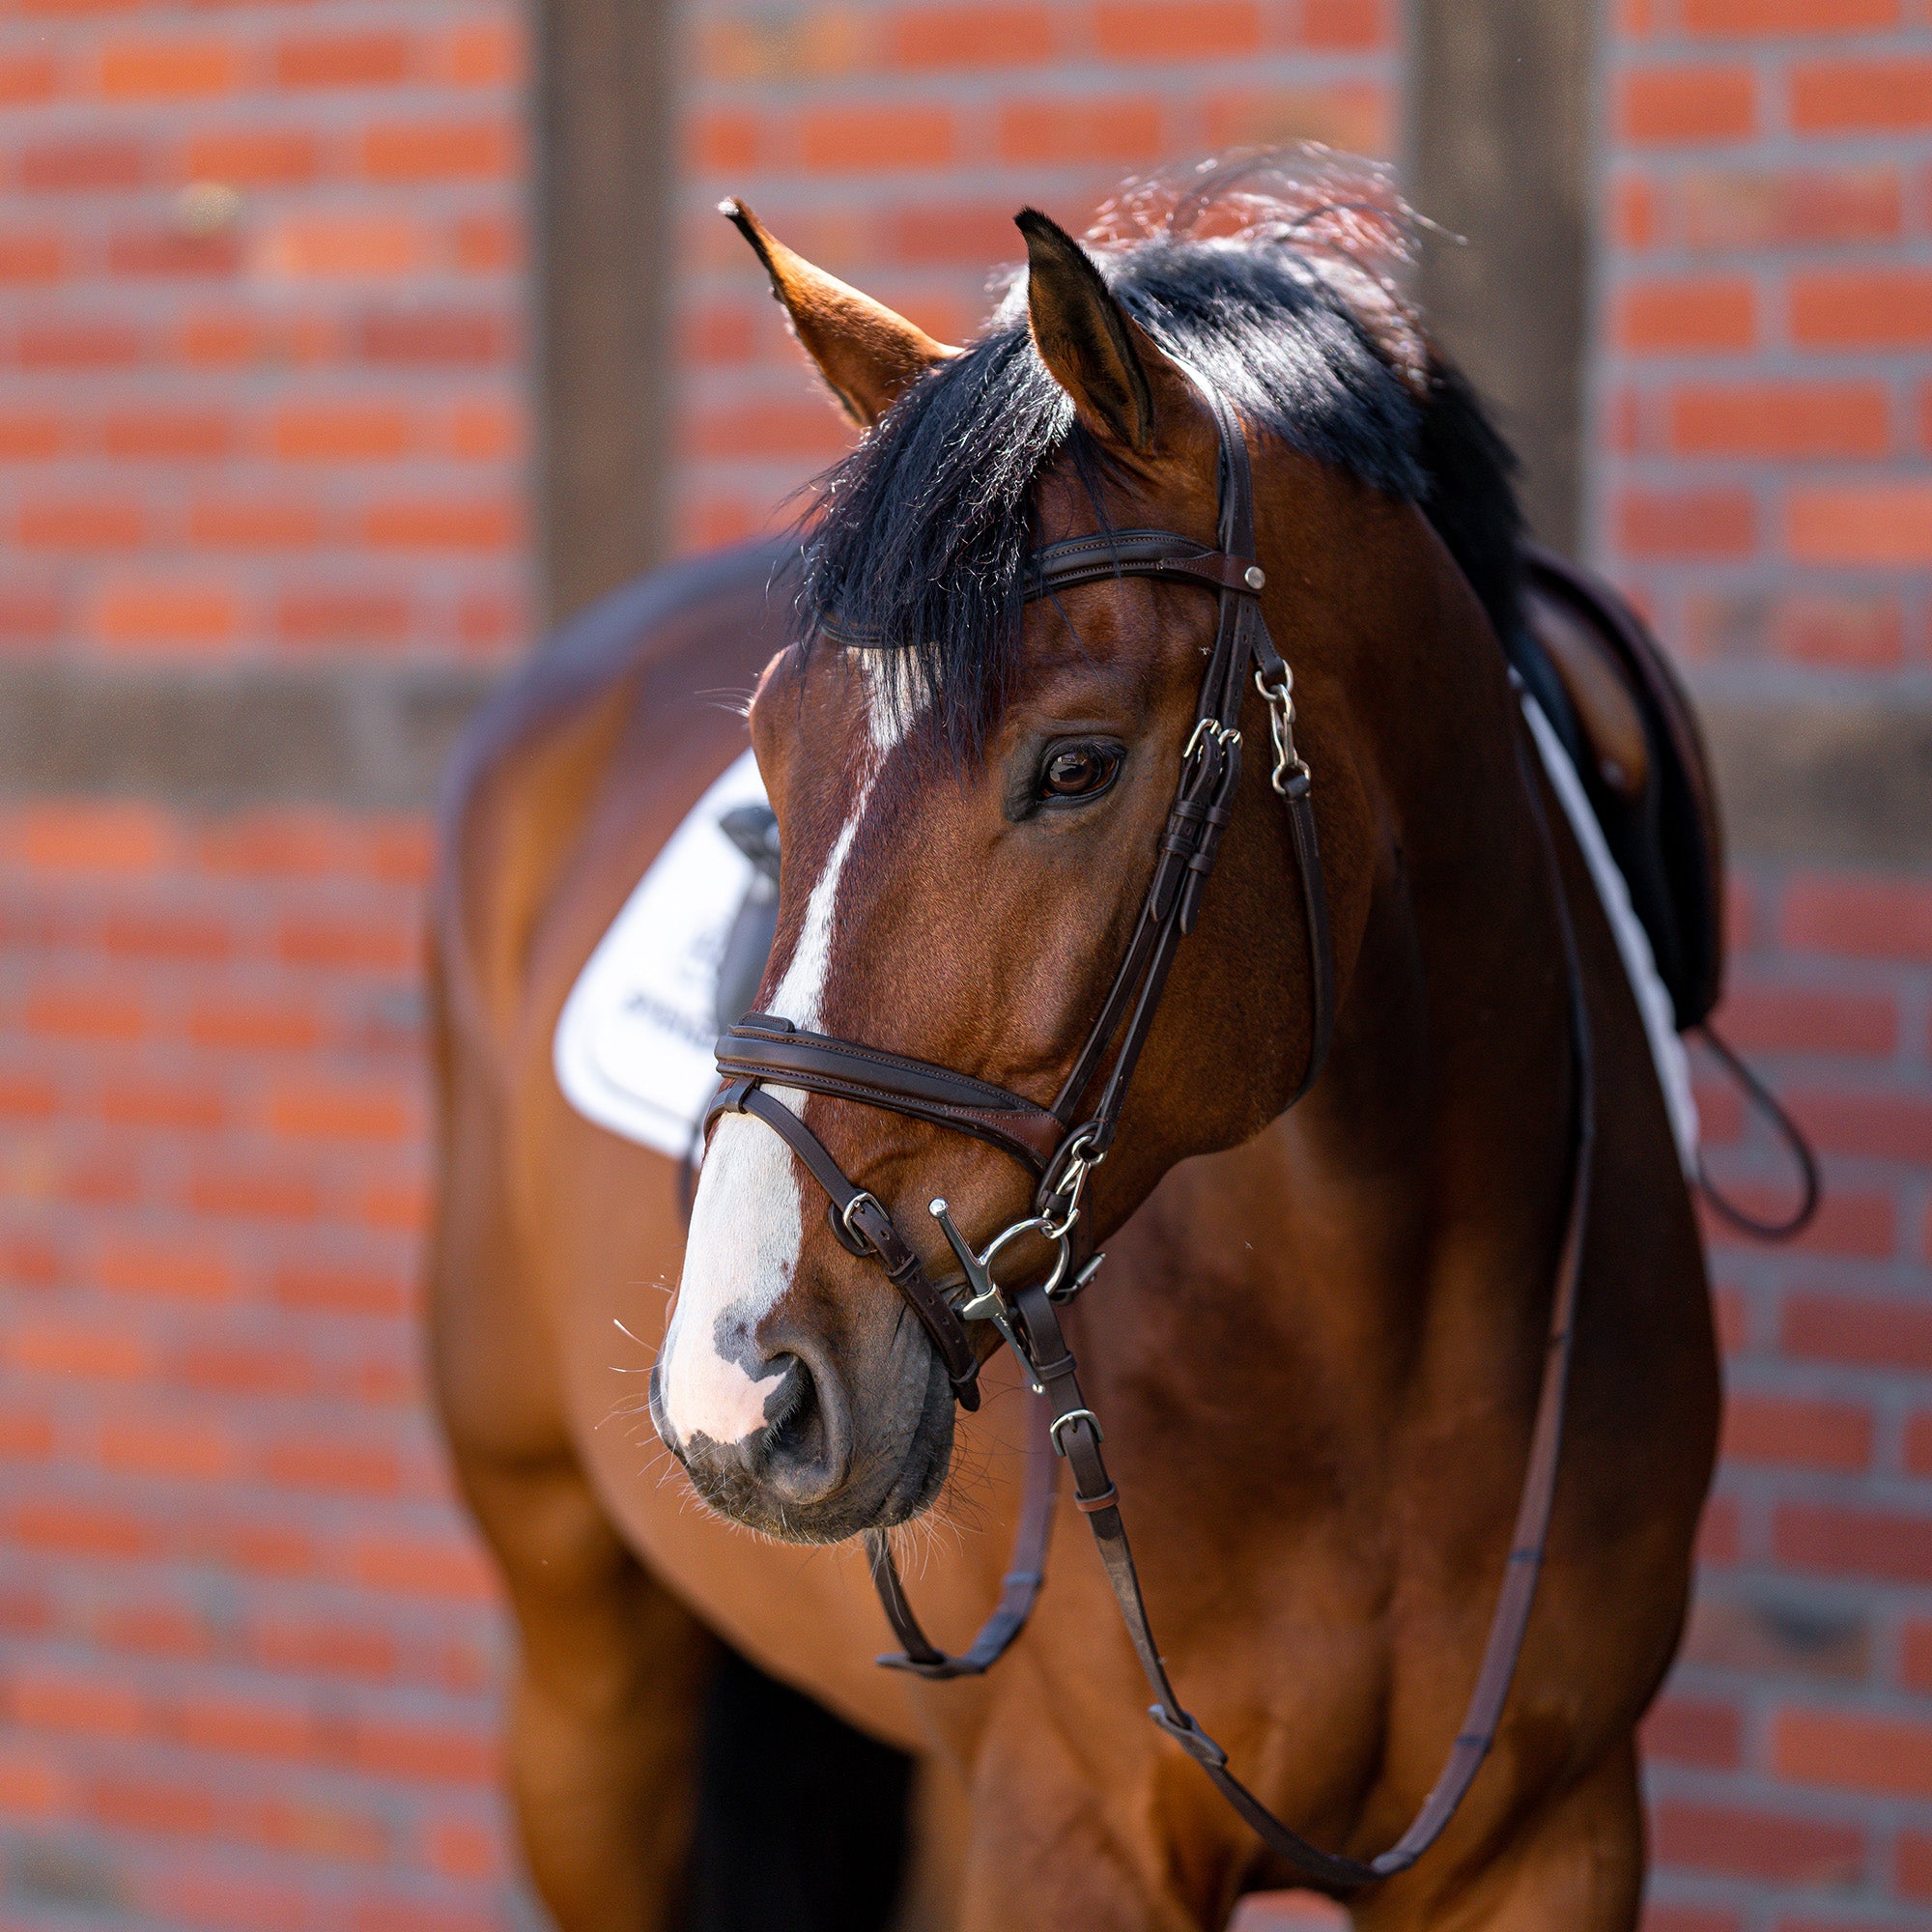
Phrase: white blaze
(745, 1225)
(888, 710)
(747, 1219)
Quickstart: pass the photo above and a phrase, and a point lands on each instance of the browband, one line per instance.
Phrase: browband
(1105, 554)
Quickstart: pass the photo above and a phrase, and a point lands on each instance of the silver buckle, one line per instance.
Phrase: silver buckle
(845, 1216)
(1060, 1422)
(1223, 735)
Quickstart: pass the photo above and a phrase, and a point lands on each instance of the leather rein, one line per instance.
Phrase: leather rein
(1060, 1145)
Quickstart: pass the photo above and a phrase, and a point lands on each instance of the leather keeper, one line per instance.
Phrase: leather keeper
(1190, 1737)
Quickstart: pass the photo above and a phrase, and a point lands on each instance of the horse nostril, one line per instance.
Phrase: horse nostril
(804, 1449)
(795, 1398)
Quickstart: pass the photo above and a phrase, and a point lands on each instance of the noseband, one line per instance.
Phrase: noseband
(1060, 1144)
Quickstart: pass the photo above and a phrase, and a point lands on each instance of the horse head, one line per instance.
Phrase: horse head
(974, 785)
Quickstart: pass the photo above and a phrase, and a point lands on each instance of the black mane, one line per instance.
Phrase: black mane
(916, 539)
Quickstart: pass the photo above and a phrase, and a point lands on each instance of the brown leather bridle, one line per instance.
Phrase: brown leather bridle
(1060, 1145)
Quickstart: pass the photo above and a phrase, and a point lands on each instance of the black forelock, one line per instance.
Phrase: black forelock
(916, 540)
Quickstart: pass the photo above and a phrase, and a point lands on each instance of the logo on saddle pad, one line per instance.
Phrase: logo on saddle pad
(680, 963)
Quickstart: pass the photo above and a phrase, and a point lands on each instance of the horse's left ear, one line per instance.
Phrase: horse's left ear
(1125, 390)
(869, 354)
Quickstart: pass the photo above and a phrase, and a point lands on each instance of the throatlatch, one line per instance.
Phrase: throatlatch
(1061, 1145)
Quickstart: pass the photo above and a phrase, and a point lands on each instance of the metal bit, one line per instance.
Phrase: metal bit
(983, 1301)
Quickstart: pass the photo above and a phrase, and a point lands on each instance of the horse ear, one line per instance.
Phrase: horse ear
(1125, 390)
(868, 355)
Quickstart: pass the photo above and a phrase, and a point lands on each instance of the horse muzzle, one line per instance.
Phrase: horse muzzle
(851, 1440)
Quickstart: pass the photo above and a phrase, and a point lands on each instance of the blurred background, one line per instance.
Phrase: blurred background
(343, 345)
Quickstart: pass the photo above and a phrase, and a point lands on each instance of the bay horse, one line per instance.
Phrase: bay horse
(1319, 1348)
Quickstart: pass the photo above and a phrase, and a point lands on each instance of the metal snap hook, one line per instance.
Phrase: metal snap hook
(1060, 1208)
(1290, 777)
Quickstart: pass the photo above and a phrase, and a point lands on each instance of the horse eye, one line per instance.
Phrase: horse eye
(1079, 771)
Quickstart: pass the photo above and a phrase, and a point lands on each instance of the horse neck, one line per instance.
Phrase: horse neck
(1453, 1034)
(1420, 1186)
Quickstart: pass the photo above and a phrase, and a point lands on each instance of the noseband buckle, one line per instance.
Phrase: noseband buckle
(1060, 1422)
(854, 1239)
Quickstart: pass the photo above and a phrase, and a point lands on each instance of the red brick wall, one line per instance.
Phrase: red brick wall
(894, 145)
(1767, 319)
(250, 1657)
(247, 1651)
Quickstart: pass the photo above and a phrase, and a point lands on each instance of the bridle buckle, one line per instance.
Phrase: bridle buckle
(1060, 1422)
(1209, 729)
(857, 1240)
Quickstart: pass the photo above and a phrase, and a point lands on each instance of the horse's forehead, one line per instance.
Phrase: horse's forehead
(819, 729)
(1069, 500)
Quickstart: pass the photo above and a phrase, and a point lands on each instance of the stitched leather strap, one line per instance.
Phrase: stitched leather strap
(1204, 801)
(1113, 553)
(1321, 942)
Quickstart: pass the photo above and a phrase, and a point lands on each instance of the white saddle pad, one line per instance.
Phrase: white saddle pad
(634, 1046)
(633, 1043)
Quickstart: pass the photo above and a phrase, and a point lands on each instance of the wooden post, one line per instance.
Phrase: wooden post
(1501, 151)
(603, 220)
